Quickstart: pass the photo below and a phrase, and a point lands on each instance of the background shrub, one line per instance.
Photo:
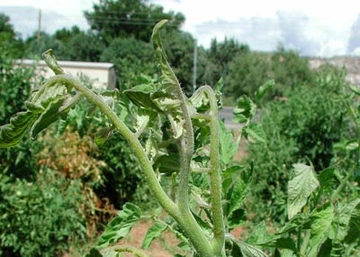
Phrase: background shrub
(40, 218)
(303, 127)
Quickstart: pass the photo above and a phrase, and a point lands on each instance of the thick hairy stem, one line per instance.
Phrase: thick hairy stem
(186, 152)
(215, 175)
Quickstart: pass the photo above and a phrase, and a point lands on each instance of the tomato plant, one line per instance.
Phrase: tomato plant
(175, 139)
(185, 154)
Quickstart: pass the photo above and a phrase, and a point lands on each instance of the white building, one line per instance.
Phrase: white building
(102, 74)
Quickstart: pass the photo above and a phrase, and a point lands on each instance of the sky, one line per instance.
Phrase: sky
(314, 28)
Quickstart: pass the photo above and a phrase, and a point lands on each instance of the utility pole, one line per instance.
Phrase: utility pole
(195, 64)
(39, 25)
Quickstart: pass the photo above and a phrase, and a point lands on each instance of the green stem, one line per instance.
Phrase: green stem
(215, 175)
(129, 249)
(343, 183)
(134, 143)
(186, 153)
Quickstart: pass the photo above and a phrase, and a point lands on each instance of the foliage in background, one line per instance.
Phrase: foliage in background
(129, 18)
(41, 217)
(131, 58)
(250, 70)
(10, 41)
(304, 126)
(15, 87)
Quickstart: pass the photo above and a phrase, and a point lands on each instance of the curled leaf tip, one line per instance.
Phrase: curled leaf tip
(50, 60)
(158, 26)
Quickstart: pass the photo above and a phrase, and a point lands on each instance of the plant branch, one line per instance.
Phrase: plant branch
(215, 174)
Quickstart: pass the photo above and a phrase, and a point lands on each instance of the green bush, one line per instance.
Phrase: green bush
(248, 71)
(40, 218)
(303, 127)
(15, 87)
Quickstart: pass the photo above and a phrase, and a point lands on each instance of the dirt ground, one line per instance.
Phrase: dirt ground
(164, 247)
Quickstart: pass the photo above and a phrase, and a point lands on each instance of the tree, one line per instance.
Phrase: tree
(290, 69)
(35, 46)
(124, 18)
(247, 72)
(9, 39)
(219, 57)
(131, 58)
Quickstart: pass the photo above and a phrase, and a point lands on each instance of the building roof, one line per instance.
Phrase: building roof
(64, 64)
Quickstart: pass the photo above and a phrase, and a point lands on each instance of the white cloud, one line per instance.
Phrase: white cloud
(314, 27)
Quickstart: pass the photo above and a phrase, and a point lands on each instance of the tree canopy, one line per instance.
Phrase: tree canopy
(129, 18)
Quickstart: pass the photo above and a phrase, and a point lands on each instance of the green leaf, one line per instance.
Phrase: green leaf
(169, 82)
(141, 96)
(340, 226)
(153, 232)
(260, 92)
(57, 108)
(300, 188)
(247, 250)
(320, 224)
(12, 133)
(168, 164)
(260, 237)
(228, 146)
(121, 225)
(254, 133)
(245, 110)
(355, 89)
(327, 178)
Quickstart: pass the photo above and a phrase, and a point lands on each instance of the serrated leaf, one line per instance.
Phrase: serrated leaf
(245, 110)
(300, 188)
(121, 225)
(12, 133)
(260, 92)
(260, 237)
(320, 224)
(254, 133)
(228, 147)
(153, 232)
(341, 222)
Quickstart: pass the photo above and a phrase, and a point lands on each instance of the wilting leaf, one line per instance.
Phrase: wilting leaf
(254, 133)
(169, 82)
(56, 109)
(12, 133)
(245, 110)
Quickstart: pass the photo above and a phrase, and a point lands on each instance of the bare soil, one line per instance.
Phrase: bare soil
(161, 247)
